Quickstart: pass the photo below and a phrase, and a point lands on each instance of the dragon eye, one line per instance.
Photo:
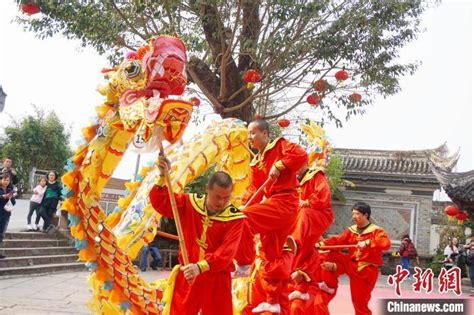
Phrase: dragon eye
(132, 70)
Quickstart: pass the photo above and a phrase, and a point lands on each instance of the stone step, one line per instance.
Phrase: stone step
(28, 243)
(41, 269)
(30, 235)
(38, 251)
(24, 261)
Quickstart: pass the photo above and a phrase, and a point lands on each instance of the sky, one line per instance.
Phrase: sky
(434, 106)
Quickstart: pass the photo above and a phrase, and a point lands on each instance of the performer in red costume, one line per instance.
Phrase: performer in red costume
(328, 271)
(212, 229)
(273, 212)
(315, 216)
(362, 263)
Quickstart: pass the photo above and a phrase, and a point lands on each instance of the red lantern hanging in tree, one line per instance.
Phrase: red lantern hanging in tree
(355, 97)
(313, 99)
(259, 116)
(451, 211)
(30, 8)
(341, 75)
(195, 101)
(252, 76)
(321, 85)
(283, 123)
(462, 216)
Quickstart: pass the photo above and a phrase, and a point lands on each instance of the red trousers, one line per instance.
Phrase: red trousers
(268, 283)
(210, 292)
(361, 282)
(274, 220)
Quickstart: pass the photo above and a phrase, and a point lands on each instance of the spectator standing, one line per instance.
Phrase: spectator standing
(8, 169)
(50, 201)
(450, 253)
(407, 251)
(155, 254)
(470, 260)
(6, 196)
(35, 204)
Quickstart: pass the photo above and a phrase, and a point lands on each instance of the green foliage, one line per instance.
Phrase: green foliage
(198, 185)
(292, 43)
(334, 173)
(37, 140)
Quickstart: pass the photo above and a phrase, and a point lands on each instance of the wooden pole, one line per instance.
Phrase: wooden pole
(259, 190)
(252, 155)
(167, 235)
(329, 247)
(174, 207)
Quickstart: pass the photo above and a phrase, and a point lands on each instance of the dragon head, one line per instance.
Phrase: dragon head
(138, 90)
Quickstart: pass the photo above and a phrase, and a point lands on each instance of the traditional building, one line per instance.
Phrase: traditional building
(399, 186)
(458, 186)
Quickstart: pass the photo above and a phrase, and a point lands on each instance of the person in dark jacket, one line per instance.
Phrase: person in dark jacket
(8, 169)
(6, 194)
(407, 251)
(50, 200)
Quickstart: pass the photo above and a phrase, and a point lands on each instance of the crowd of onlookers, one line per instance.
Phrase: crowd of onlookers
(460, 255)
(455, 255)
(43, 203)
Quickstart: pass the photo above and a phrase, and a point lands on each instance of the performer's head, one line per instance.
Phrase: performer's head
(219, 191)
(361, 214)
(259, 134)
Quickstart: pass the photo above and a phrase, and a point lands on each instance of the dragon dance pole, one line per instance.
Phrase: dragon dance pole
(167, 235)
(174, 207)
(329, 247)
(259, 190)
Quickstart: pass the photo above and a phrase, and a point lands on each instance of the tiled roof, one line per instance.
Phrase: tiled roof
(390, 165)
(116, 183)
(458, 186)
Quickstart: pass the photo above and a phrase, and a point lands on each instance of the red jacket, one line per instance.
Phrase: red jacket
(376, 239)
(314, 188)
(313, 219)
(288, 157)
(210, 240)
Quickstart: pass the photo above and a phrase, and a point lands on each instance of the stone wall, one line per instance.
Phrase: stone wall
(399, 212)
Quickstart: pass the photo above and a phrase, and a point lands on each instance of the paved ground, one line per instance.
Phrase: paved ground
(68, 293)
(19, 214)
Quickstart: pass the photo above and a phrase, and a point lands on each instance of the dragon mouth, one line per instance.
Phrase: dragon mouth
(151, 112)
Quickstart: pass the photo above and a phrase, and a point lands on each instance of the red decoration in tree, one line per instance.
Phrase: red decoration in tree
(195, 101)
(355, 97)
(30, 8)
(321, 85)
(259, 116)
(451, 211)
(283, 123)
(252, 76)
(313, 99)
(462, 216)
(342, 75)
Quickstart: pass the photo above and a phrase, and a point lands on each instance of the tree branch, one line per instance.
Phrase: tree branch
(251, 26)
(206, 80)
(134, 30)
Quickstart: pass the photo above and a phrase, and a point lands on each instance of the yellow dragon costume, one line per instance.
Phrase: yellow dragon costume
(137, 110)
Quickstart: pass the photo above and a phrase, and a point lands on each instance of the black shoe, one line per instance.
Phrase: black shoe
(2, 256)
(144, 269)
(49, 228)
(154, 267)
